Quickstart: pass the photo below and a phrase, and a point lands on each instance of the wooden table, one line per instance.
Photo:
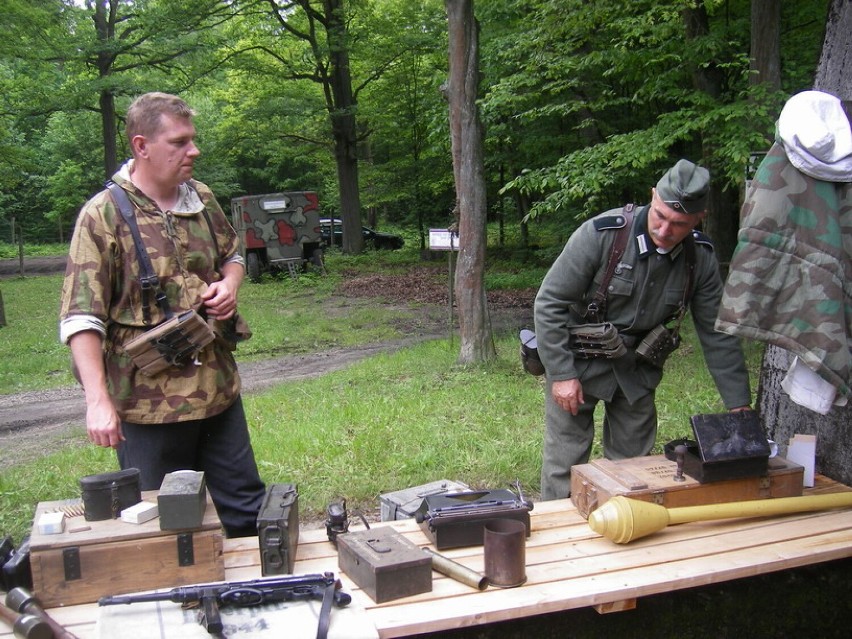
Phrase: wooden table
(568, 566)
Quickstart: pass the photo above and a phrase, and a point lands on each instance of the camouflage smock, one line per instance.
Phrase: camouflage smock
(102, 280)
(790, 280)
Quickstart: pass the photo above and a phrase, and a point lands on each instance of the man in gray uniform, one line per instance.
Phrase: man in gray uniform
(648, 286)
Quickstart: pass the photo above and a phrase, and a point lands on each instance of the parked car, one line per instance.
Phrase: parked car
(372, 238)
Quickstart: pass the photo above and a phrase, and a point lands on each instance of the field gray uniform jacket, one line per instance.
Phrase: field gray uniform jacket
(646, 289)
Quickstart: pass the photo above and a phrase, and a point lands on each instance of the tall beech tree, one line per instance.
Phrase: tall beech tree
(323, 30)
(477, 343)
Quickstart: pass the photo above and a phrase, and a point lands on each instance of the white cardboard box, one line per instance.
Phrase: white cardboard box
(802, 451)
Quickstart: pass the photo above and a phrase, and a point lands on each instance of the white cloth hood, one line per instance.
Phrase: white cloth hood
(817, 136)
(188, 202)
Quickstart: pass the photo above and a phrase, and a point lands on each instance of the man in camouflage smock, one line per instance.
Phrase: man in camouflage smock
(647, 289)
(188, 416)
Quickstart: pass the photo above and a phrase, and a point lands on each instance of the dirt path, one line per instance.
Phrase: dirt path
(36, 423)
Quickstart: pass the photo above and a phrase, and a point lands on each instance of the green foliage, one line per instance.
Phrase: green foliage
(10, 251)
(584, 103)
(613, 86)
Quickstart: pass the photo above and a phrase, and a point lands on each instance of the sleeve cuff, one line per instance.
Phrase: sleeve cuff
(70, 326)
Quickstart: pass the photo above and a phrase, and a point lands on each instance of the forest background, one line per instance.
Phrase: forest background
(584, 104)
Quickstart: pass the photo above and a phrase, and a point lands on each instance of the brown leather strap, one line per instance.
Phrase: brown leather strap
(597, 307)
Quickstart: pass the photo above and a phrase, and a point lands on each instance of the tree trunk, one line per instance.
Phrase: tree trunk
(110, 132)
(722, 221)
(477, 344)
(782, 417)
(832, 74)
(765, 62)
(104, 18)
(344, 128)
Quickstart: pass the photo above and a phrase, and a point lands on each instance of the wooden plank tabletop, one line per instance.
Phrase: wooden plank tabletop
(568, 566)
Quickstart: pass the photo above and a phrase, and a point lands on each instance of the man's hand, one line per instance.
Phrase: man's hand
(568, 394)
(220, 298)
(102, 423)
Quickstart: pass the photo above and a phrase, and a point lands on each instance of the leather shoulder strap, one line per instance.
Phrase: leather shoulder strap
(597, 308)
(147, 278)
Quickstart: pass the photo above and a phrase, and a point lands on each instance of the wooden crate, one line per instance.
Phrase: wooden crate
(652, 479)
(91, 559)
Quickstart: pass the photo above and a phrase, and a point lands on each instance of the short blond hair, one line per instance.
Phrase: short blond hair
(144, 117)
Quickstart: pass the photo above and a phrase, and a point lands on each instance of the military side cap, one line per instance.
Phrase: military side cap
(684, 187)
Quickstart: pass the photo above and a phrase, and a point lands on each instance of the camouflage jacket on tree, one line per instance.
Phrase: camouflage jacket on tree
(102, 280)
(790, 278)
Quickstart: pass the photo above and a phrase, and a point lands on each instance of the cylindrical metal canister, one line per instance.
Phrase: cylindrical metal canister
(504, 547)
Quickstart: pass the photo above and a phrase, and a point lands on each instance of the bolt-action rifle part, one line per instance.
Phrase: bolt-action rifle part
(457, 571)
(25, 626)
(23, 601)
(243, 594)
(622, 519)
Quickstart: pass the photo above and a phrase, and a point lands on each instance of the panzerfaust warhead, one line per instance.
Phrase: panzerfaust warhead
(253, 592)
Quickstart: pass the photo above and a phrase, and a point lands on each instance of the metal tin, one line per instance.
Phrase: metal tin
(107, 494)
(182, 500)
(384, 564)
(278, 529)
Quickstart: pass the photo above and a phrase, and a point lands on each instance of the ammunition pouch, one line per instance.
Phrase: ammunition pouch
(596, 341)
(172, 343)
(657, 345)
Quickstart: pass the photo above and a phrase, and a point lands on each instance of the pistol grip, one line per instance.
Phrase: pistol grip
(211, 619)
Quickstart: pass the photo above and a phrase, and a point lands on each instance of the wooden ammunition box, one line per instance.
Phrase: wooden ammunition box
(652, 479)
(92, 559)
(384, 564)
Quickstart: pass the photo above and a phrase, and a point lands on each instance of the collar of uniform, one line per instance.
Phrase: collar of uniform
(188, 202)
(644, 244)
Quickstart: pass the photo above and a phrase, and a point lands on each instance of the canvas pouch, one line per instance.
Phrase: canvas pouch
(172, 343)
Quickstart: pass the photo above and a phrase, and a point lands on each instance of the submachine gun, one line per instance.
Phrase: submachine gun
(253, 592)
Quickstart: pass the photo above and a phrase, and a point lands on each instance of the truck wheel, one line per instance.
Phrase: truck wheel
(253, 267)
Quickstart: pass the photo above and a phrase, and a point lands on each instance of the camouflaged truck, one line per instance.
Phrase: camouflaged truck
(278, 231)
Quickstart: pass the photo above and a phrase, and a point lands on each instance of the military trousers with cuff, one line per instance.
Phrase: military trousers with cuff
(629, 430)
(218, 445)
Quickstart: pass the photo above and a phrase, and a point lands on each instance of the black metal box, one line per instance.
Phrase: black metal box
(278, 529)
(459, 519)
(182, 500)
(726, 446)
(384, 564)
(107, 494)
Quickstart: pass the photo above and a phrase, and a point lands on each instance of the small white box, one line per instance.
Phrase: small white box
(51, 523)
(140, 513)
(802, 451)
